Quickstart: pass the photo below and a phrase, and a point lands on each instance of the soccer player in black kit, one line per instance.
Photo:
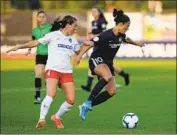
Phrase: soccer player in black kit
(101, 61)
(98, 25)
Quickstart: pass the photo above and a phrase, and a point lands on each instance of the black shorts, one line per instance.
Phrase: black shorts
(94, 61)
(41, 59)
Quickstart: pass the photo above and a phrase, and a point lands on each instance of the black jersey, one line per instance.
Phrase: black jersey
(107, 44)
(98, 26)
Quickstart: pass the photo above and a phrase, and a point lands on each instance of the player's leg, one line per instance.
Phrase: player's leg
(67, 86)
(105, 95)
(51, 84)
(104, 72)
(122, 73)
(39, 69)
(88, 86)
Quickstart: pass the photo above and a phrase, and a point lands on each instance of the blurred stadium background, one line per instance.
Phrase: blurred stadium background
(151, 94)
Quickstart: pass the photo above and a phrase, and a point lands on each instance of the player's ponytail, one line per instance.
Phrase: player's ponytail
(120, 17)
(56, 24)
(61, 23)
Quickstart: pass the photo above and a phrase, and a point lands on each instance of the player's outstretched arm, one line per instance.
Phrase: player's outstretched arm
(29, 44)
(137, 43)
(85, 46)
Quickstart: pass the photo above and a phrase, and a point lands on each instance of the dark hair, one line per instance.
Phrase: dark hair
(120, 17)
(61, 23)
(101, 16)
(41, 12)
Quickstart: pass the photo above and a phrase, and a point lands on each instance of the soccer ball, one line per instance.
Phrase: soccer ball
(130, 120)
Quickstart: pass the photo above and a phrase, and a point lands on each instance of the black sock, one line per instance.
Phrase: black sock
(89, 82)
(98, 87)
(102, 97)
(122, 73)
(38, 87)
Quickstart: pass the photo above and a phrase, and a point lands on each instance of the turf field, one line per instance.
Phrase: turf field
(151, 95)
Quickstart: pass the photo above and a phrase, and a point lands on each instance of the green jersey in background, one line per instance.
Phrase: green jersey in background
(39, 32)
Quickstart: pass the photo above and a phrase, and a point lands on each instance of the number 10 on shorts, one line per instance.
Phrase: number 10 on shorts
(97, 60)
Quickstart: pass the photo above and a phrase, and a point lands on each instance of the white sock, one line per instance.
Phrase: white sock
(45, 106)
(64, 108)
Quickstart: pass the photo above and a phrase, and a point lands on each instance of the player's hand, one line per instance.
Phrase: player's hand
(140, 43)
(28, 52)
(76, 61)
(13, 49)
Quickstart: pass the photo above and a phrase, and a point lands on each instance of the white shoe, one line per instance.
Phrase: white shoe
(118, 85)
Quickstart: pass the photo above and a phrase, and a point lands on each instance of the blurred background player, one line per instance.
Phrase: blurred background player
(98, 25)
(41, 52)
(101, 60)
(61, 46)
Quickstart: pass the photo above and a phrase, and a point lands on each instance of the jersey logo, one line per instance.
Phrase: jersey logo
(95, 23)
(112, 45)
(70, 40)
(103, 25)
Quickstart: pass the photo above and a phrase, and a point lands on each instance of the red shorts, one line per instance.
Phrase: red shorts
(61, 77)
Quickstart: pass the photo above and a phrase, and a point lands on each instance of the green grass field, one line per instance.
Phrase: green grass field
(151, 95)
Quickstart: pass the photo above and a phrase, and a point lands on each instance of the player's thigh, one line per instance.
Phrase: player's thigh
(100, 68)
(51, 84)
(104, 71)
(39, 70)
(111, 87)
(69, 91)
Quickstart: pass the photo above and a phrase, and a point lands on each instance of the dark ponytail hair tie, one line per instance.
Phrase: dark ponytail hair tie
(119, 16)
(115, 12)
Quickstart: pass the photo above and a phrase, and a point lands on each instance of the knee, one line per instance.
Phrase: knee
(112, 92)
(52, 94)
(70, 101)
(38, 74)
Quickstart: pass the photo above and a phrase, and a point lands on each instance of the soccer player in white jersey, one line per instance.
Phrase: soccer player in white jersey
(58, 71)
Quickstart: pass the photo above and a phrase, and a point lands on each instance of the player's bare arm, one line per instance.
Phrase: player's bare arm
(85, 46)
(29, 44)
(137, 43)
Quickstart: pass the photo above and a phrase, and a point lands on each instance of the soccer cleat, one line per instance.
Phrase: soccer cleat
(127, 80)
(37, 100)
(86, 88)
(84, 108)
(88, 104)
(57, 122)
(40, 123)
(82, 111)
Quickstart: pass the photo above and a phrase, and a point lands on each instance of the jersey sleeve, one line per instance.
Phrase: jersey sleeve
(76, 46)
(99, 39)
(46, 39)
(32, 35)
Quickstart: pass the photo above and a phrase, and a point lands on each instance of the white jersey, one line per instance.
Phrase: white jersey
(60, 49)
